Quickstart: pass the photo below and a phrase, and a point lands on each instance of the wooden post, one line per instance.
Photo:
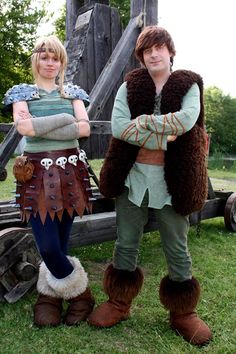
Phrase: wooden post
(115, 65)
(148, 7)
(73, 8)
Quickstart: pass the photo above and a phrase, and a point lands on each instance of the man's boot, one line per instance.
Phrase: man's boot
(122, 287)
(181, 299)
(74, 289)
(48, 308)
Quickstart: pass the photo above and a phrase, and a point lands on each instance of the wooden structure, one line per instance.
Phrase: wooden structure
(99, 55)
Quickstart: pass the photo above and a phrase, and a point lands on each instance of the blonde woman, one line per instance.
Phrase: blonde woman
(52, 182)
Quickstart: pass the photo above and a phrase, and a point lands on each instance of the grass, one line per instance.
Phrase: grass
(147, 331)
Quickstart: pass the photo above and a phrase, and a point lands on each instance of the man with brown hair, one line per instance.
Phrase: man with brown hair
(156, 159)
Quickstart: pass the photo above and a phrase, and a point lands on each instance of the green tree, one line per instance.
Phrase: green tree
(220, 112)
(18, 21)
(60, 25)
(124, 10)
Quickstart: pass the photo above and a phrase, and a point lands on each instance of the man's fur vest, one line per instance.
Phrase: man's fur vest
(185, 159)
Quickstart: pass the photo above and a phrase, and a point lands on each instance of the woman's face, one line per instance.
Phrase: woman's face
(49, 65)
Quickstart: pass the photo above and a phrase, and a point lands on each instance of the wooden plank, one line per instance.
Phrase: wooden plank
(72, 9)
(151, 11)
(102, 35)
(5, 127)
(8, 145)
(14, 253)
(136, 7)
(115, 65)
(91, 55)
(20, 289)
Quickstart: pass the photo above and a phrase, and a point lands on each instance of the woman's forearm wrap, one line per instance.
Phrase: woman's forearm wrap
(44, 125)
(68, 132)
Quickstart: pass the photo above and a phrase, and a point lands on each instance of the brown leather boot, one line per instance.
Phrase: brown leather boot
(121, 286)
(47, 311)
(79, 308)
(181, 299)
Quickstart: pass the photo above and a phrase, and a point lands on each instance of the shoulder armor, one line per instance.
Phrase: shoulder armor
(22, 92)
(76, 92)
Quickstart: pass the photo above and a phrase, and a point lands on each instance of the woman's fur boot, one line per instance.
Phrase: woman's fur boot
(181, 299)
(122, 287)
(48, 308)
(74, 289)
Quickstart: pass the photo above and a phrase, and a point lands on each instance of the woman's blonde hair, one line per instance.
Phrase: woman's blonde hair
(49, 44)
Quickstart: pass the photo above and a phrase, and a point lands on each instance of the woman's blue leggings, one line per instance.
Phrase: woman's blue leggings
(52, 241)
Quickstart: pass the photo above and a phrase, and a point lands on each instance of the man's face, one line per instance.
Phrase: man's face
(157, 59)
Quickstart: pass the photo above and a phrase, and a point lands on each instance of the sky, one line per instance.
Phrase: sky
(204, 34)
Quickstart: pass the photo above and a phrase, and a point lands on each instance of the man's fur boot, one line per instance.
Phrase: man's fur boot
(122, 287)
(74, 289)
(48, 308)
(181, 299)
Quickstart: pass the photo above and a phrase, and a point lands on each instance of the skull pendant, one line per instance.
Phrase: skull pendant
(82, 156)
(46, 163)
(72, 159)
(61, 161)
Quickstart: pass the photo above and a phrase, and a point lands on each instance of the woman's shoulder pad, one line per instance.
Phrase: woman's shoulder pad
(21, 92)
(76, 92)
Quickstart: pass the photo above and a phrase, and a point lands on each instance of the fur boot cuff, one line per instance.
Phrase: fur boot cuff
(122, 284)
(179, 297)
(42, 285)
(72, 285)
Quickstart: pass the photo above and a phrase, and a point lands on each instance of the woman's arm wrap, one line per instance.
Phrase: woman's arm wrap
(68, 132)
(44, 125)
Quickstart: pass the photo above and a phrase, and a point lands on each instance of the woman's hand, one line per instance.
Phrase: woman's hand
(81, 118)
(22, 119)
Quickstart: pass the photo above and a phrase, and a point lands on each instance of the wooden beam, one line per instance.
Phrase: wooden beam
(148, 7)
(151, 12)
(115, 65)
(9, 145)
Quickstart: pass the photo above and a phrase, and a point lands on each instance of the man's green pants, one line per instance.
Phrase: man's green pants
(173, 228)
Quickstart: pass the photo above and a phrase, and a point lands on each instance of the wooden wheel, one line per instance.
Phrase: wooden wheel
(3, 174)
(230, 213)
(19, 261)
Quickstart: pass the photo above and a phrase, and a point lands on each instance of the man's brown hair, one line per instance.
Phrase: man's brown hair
(153, 35)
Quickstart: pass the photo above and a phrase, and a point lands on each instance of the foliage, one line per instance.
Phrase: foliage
(220, 113)
(59, 24)
(124, 9)
(18, 21)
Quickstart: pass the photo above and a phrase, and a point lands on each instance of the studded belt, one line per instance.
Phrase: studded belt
(58, 157)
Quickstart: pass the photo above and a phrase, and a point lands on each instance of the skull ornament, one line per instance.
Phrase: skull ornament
(82, 156)
(61, 161)
(46, 163)
(73, 159)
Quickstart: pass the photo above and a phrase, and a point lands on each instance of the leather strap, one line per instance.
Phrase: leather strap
(151, 157)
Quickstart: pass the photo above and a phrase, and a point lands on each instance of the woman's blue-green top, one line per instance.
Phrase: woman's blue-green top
(151, 132)
(42, 103)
